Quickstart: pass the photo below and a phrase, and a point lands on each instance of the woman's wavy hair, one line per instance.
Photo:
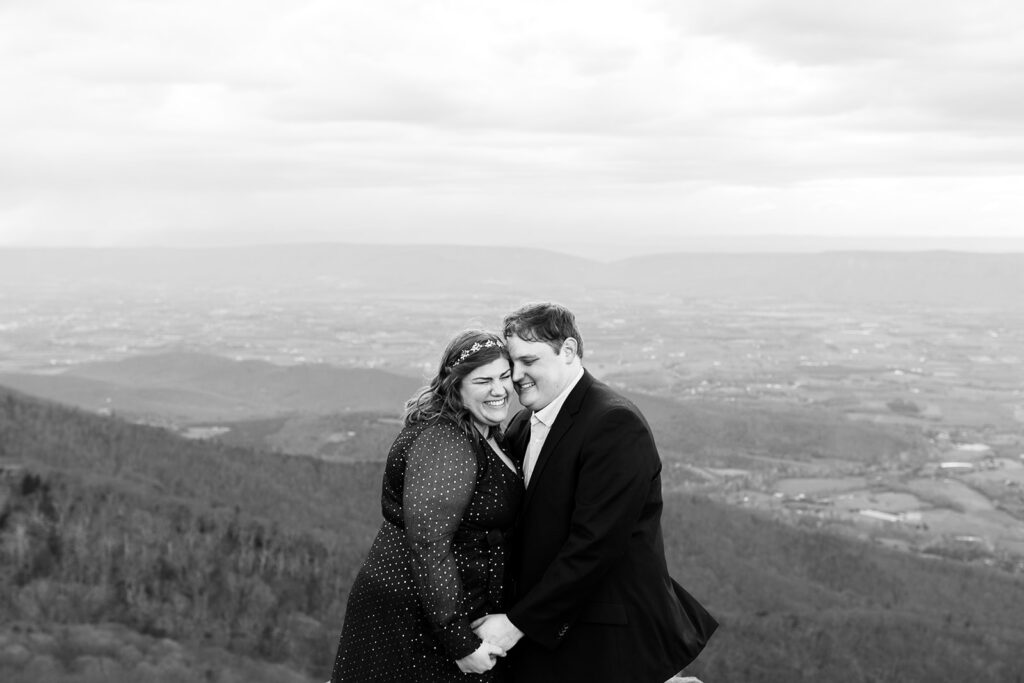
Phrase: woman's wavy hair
(441, 398)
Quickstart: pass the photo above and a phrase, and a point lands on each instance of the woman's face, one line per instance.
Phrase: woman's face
(485, 392)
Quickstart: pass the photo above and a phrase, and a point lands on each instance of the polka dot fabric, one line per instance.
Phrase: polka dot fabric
(437, 563)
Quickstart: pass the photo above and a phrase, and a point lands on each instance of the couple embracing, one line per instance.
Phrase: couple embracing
(530, 556)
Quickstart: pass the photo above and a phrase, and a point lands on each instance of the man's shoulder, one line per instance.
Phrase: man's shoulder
(603, 405)
(602, 398)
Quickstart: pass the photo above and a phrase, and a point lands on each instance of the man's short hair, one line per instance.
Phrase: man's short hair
(546, 322)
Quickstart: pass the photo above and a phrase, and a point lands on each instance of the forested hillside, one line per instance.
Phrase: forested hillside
(713, 432)
(103, 521)
(133, 554)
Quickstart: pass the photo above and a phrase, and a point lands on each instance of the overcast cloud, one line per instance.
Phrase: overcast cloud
(131, 122)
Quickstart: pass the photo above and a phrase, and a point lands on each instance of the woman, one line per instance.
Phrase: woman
(450, 495)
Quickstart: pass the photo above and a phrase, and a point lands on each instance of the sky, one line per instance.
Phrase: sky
(619, 125)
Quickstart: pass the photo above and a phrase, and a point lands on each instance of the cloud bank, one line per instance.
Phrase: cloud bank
(130, 122)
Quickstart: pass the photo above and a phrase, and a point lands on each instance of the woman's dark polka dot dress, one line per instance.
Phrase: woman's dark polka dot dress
(437, 563)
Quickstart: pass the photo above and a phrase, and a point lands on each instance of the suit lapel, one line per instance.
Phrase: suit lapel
(563, 422)
(518, 436)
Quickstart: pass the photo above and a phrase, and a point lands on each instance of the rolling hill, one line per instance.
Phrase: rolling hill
(252, 554)
(307, 409)
(196, 387)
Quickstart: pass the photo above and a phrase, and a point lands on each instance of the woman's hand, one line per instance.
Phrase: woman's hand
(480, 660)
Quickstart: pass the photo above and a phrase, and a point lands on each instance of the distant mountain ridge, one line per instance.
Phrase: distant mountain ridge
(945, 279)
(936, 278)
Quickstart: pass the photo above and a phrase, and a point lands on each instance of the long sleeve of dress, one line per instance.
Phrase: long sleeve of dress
(440, 478)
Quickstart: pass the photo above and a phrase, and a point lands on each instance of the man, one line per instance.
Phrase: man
(593, 600)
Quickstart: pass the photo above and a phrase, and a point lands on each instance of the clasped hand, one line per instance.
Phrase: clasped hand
(497, 629)
(498, 635)
(481, 659)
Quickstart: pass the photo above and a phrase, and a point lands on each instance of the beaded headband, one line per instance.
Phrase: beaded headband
(477, 346)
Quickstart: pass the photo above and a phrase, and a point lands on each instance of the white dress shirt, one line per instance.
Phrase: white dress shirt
(540, 425)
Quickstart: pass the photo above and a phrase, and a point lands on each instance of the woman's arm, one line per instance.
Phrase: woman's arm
(440, 478)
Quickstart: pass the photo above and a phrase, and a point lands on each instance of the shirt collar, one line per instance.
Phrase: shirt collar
(548, 413)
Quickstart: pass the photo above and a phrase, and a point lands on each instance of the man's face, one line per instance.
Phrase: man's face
(539, 374)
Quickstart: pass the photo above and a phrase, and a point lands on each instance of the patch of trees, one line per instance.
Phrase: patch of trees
(904, 407)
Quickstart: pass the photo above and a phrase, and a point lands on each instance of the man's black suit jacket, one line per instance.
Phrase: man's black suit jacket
(592, 593)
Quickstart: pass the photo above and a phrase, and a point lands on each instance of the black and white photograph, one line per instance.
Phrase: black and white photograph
(569, 342)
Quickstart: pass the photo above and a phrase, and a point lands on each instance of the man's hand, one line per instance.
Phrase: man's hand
(497, 629)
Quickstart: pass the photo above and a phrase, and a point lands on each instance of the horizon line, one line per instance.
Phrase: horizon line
(612, 251)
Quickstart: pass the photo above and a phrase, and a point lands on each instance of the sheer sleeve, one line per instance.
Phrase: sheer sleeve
(440, 478)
